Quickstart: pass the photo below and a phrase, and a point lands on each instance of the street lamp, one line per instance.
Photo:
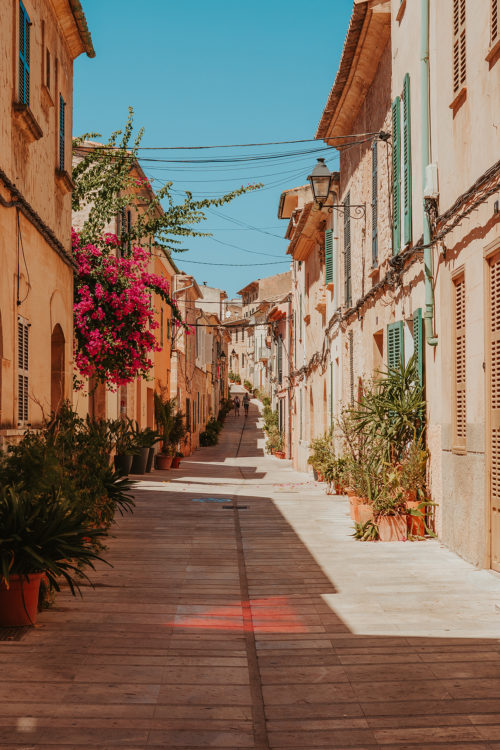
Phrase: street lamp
(321, 181)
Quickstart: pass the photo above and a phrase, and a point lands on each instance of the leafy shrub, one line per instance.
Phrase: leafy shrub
(247, 385)
(209, 437)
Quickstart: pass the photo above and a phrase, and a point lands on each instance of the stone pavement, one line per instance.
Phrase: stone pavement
(241, 614)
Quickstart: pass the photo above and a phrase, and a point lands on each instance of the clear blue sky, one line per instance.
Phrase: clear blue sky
(212, 73)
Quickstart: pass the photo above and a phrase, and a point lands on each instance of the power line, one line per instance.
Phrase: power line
(237, 145)
(207, 263)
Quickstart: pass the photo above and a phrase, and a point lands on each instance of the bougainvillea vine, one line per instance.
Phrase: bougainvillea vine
(114, 317)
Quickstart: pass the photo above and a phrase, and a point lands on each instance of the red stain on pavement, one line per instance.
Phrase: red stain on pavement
(271, 615)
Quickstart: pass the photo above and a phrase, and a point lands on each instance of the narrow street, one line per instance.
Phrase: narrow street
(236, 615)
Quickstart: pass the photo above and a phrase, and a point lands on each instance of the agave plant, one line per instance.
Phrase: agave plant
(45, 534)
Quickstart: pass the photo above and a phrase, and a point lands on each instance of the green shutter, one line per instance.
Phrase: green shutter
(396, 176)
(328, 256)
(407, 160)
(347, 249)
(418, 343)
(374, 205)
(331, 394)
(395, 344)
(24, 56)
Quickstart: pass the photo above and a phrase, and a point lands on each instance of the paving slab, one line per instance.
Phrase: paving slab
(258, 625)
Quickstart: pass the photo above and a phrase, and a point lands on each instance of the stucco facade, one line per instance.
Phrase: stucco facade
(38, 42)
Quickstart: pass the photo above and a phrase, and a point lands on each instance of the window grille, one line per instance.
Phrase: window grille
(459, 365)
(22, 370)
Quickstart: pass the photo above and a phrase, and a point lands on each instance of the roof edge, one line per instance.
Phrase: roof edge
(82, 26)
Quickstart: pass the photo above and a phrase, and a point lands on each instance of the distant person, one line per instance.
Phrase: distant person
(246, 403)
(236, 406)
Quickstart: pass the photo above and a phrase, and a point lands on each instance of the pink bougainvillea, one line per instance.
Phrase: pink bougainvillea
(114, 317)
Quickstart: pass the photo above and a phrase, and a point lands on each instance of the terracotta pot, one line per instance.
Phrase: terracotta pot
(392, 528)
(19, 603)
(163, 462)
(176, 462)
(339, 490)
(139, 462)
(320, 477)
(415, 525)
(365, 512)
(123, 463)
(354, 503)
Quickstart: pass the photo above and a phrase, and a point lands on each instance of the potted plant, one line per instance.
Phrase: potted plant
(124, 445)
(177, 436)
(40, 535)
(165, 409)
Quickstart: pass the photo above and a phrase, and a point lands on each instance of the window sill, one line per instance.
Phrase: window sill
(401, 11)
(458, 100)
(493, 53)
(459, 451)
(64, 181)
(26, 122)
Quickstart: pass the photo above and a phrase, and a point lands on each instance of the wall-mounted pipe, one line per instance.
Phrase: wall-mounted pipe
(431, 339)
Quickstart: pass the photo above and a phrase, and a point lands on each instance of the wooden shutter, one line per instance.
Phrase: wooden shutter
(300, 317)
(62, 108)
(396, 176)
(280, 359)
(494, 407)
(395, 344)
(22, 370)
(300, 414)
(374, 205)
(459, 46)
(347, 249)
(406, 161)
(331, 394)
(24, 56)
(351, 365)
(459, 366)
(418, 343)
(329, 256)
(494, 21)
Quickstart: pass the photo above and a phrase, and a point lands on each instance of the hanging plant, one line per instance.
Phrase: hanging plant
(114, 317)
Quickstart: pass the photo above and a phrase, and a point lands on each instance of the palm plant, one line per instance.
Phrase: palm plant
(165, 410)
(45, 533)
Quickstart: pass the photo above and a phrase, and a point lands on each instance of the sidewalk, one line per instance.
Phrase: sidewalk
(240, 613)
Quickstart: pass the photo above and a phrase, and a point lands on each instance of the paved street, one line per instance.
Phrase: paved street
(239, 613)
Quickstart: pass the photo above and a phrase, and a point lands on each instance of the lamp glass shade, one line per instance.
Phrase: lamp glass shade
(320, 180)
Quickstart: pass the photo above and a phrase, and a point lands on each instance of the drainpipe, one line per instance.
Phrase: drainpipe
(428, 270)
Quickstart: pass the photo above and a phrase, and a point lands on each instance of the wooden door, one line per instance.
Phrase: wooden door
(494, 406)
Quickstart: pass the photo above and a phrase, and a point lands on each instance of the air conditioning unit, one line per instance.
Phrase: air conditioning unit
(431, 189)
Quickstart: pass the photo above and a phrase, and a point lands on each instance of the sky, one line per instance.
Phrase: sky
(215, 73)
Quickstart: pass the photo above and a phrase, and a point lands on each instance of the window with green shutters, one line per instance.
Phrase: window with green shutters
(395, 344)
(374, 205)
(24, 56)
(329, 257)
(396, 176)
(418, 343)
(347, 250)
(407, 234)
(62, 117)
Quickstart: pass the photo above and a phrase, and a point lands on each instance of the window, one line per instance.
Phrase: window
(62, 107)
(494, 22)
(395, 344)
(374, 205)
(236, 336)
(351, 365)
(188, 413)
(329, 262)
(47, 68)
(459, 366)
(22, 370)
(280, 359)
(459, 46)
(24, 56)
(347, 250)
(401, 168)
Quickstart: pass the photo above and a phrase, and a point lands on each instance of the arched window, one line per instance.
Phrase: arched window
(57, 368)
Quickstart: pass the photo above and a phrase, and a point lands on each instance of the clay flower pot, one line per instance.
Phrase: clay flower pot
(392, 528)
(19, 602)
(365, 512)
(414, 524)
(354, 503)
(163, 462)
(176, 462)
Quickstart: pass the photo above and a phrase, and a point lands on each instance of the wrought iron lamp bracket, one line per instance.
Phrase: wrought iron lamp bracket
(356, 210)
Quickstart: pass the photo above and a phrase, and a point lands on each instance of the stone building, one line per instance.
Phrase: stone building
(39, 40)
